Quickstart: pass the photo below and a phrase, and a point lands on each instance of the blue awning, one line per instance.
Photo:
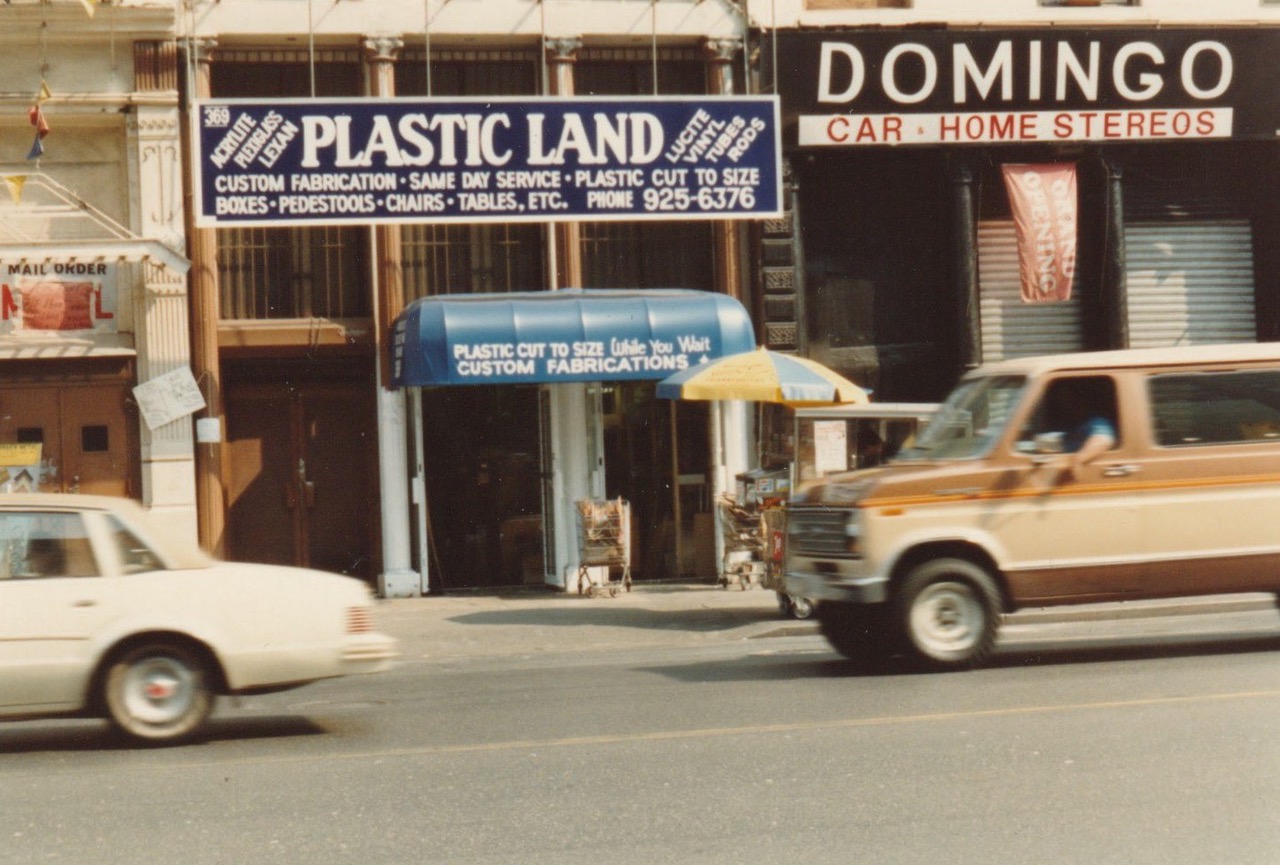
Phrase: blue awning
(564, 336)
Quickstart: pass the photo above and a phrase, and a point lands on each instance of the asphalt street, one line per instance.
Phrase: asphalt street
(699, 727)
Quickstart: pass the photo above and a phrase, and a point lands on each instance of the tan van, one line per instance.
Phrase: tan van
(1068, 479)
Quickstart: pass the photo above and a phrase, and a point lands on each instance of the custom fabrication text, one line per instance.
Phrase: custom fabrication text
(549, 360)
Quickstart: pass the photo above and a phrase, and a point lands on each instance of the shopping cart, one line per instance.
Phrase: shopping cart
(744, 543)
(604, 540)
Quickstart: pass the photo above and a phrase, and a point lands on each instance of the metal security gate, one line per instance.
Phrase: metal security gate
(1188, 263)
(1010, 327)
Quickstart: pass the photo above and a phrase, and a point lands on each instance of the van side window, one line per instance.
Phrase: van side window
(1072, 408)
(1205, 408)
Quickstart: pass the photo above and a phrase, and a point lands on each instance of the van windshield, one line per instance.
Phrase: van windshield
(970, 421)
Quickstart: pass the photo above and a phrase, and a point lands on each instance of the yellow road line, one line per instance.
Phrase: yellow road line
(745, 730)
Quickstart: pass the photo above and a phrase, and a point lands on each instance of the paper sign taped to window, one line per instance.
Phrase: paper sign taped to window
(20, 454)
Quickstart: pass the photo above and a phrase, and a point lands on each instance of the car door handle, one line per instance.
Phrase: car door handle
(85, 602)
(1122, 470)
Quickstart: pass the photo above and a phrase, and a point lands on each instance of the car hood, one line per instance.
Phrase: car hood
(304, 580)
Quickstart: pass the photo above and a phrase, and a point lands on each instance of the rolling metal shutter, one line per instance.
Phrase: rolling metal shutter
(1011, 328)
(1188, 264)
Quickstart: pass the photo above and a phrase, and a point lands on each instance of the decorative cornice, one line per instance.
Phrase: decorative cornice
(155, 123)
(383, 49)
(563, 49)
(722, 50)
(202, 49)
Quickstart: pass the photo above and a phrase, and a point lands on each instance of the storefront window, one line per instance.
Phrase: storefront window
(293, 272)
(302, 272)
(448, 259)
(876, 272)
(647, 255)
(644, 254)
(483, 257)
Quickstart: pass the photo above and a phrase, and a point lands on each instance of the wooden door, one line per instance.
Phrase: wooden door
(96, 441)
(301, 477)
(87, 430)
(261, 524)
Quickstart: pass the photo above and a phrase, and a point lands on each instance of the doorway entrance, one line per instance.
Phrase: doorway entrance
(657, 456)
(302, 475)
(484, 485)
(83, 416)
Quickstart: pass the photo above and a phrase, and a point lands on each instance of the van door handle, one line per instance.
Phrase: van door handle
(1121, 470)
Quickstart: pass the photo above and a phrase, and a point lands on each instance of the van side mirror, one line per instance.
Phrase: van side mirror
(1049, 443)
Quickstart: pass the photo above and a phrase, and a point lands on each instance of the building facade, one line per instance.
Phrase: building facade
(902, 265)
(93, 285)
(896, 261)
(316, 466)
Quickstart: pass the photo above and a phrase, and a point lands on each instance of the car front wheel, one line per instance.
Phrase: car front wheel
(948, 611)
(158, 692)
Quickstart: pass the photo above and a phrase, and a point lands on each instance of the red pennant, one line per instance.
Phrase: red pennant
(36, 116)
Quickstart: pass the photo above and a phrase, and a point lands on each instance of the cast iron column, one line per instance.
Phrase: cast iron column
(726, 241)
(1114, 291)
(381, 53)
(561, 54)
(211, 501)
(397, 578)
(965, 232)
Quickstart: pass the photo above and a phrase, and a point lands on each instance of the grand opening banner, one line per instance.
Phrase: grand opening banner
(357, 161)
(1045, 213)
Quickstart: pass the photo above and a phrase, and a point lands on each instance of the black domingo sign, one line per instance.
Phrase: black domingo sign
(941, 87)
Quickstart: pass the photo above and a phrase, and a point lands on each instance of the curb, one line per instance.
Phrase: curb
(1143, 609)
(1092, 613)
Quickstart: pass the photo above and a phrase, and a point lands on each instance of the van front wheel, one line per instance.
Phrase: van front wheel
(854, 630)
(948, 611)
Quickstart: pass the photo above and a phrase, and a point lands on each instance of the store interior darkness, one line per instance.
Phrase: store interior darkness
(484, 479)
(878, 249)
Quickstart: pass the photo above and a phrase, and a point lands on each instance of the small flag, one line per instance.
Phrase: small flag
(36, 115)
(14, 184)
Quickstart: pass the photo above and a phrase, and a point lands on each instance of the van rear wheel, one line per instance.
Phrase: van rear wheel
(948, 611)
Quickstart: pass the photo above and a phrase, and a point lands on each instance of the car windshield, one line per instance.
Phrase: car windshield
(970, 421)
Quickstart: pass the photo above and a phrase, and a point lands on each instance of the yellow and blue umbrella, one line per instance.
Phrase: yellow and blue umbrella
(762, 376)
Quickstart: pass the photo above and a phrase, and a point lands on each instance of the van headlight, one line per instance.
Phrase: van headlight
(853, 531)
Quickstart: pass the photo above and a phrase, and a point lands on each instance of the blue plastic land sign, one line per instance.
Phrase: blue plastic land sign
(360, 161)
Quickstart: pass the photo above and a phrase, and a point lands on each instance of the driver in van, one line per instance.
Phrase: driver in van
(1083, 412)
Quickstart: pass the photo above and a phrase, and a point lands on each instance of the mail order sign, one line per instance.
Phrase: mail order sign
(317, 161)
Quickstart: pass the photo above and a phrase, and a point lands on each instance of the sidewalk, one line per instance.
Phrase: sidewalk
(532, 622)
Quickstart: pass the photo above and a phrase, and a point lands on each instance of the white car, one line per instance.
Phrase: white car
(102, 616)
